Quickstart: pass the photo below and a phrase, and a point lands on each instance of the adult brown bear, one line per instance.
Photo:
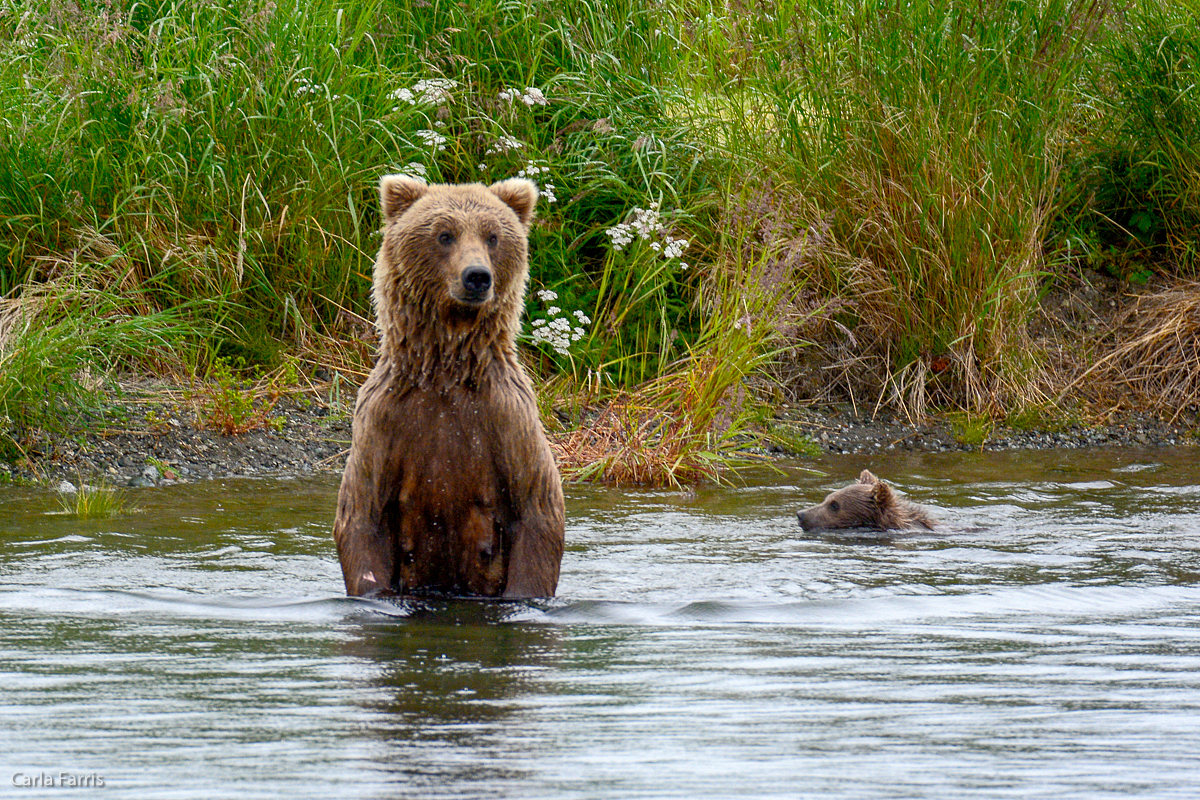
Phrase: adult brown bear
(450, 486)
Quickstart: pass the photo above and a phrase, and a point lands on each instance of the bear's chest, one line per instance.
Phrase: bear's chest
(446, 443)
(451, 510)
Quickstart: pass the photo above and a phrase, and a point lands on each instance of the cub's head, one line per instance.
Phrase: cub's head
(453, 252)
(866, 504)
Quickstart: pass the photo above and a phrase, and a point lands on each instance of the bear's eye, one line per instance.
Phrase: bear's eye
(833, 506)
(445, 239)
(493, 240)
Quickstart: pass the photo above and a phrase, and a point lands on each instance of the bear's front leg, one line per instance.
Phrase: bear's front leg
(365, 542)
(537, 542)
(367, 556)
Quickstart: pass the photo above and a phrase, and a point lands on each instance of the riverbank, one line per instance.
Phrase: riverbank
(152, 435)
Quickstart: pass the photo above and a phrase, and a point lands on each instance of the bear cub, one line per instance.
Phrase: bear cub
(450, 486)
(870, 503)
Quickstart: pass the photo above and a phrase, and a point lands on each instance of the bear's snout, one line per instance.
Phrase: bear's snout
(476, 284)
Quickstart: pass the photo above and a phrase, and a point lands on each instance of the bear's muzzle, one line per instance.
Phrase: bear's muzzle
(476, 285)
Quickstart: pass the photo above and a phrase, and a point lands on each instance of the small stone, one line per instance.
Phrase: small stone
(66, 487)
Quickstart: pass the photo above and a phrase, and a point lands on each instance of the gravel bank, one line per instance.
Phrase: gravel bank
(840, 430)
(304, 437)
(314, 436)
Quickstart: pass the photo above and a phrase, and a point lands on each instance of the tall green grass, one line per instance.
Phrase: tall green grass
(232, 148)
(926, 137)
(1135, 195)
(698, 417)
(926, 166)
(57, 344)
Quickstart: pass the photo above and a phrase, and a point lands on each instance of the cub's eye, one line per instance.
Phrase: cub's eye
(833, 506)
(445, 239)
(493, 240)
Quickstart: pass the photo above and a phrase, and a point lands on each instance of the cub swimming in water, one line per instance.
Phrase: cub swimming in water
(870, 503)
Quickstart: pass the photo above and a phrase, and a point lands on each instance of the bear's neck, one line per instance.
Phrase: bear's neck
(441, 354)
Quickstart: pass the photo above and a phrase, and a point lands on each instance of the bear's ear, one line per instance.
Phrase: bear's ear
(881, 493)
(398, 192)
(867, 477)
(518, 194)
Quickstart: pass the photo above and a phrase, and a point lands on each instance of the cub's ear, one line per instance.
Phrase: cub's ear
(398, 192)
(881, 493)
(518, 194)
(866, 476)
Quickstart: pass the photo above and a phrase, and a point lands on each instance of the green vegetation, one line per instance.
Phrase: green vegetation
(970, 430)
(230, 405)
(58, 338)
(95, 502)
(808, 199)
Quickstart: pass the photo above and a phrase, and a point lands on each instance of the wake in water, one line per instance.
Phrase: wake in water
(1048, 602)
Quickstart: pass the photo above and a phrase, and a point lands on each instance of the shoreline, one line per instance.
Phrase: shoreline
(149, 438)
(841, 432)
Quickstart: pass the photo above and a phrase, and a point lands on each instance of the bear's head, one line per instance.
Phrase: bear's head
(454, 259)
(866, 504)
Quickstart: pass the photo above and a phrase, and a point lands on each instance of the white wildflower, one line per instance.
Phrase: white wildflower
(305, 86)
(646, 221)
(621, 235)
(557, 331)
(648, 226)
(432, 139)
(674, 247)
(532, 169)
(548, 193)
(428, 92)
(504, 144)
(414, 169)
(534, 97)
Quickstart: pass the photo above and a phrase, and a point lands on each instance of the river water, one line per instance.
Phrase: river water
(1044, 643)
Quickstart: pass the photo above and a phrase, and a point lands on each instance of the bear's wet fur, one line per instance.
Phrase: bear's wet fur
(450, 487)
(870, 503)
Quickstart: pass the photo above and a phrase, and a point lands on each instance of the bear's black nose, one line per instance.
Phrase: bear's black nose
(476, 281)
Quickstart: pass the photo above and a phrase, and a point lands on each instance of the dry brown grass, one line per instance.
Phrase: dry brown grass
(1155, 353)
(676, 431)
(628, 444)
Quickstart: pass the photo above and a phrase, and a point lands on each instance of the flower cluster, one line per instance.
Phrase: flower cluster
(414, 169)
(558, 331)
(428, 92)
(432, 138)
(532, 96)
(531, 170)
(305, 86)
(504, 144)
(647, 225)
